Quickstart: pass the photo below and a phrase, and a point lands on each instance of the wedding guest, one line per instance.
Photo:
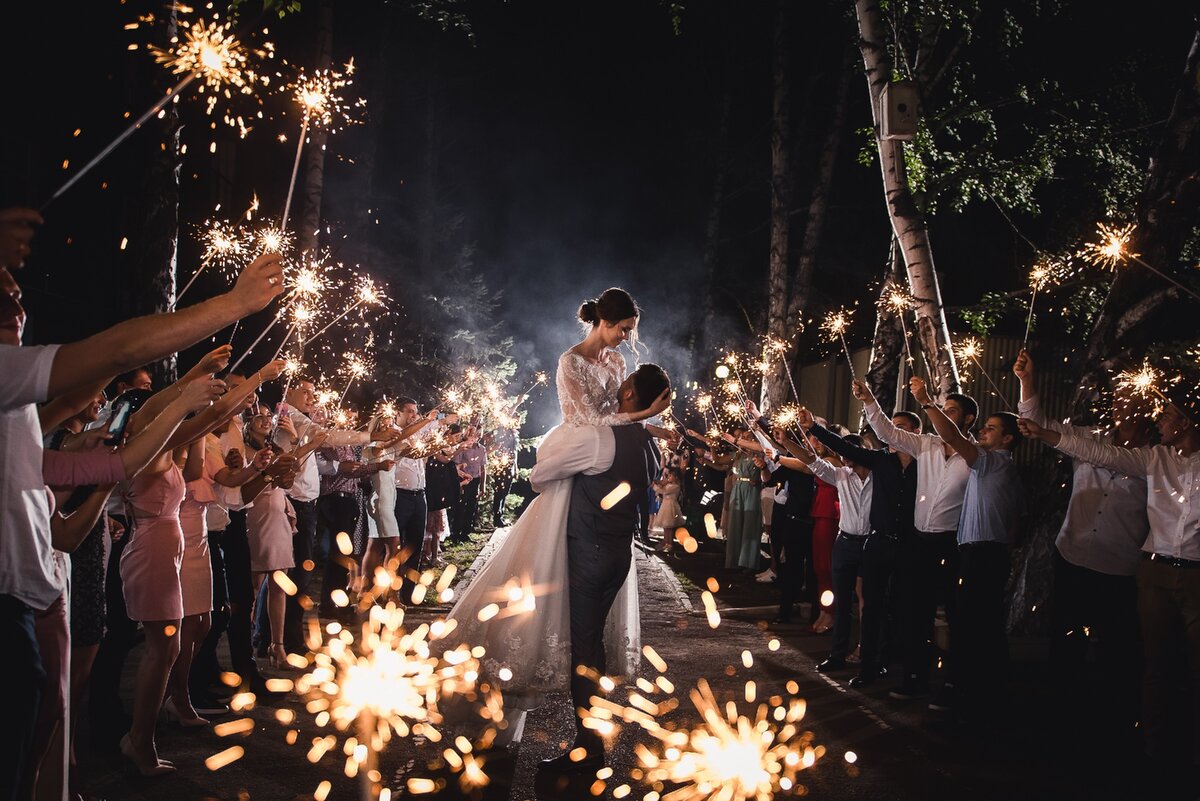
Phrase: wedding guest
(743, 536)
(27, 577)
(992, 506)
(931, 564)
(299, 405)
(472, 459)
(1168, 577)
(894, 476)
(338, 510)
(1096, 556)
(825, 513)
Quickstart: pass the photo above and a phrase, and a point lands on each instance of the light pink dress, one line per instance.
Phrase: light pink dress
(151, 561)
(270, 524)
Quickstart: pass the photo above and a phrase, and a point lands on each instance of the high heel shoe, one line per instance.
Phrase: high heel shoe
(171, 711)
(277, 658)
(159, 768)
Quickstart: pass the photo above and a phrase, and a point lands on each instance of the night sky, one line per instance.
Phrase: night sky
(576, 148)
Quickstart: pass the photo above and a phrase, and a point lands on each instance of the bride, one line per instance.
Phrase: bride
(520, 592)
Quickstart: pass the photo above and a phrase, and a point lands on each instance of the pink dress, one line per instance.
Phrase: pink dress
(151, 561)
(270, 524)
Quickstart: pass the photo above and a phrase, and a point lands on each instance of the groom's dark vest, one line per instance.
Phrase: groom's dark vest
(635, 462)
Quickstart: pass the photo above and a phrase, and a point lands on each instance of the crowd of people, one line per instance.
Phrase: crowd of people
(898, 522)
(179, 516)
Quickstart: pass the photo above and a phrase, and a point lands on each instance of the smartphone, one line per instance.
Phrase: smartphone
(118, 421)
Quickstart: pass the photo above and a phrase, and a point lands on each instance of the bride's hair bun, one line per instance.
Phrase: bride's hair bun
(588, 312)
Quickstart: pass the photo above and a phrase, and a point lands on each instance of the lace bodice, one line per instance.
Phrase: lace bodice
(587, 390)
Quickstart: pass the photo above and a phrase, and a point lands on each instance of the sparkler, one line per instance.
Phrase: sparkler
(356, 367)
(317, 94)
(1039, 277)
(899, 301)
(1113, 249)
(389, 683)
(208, 51)
(835, 326)
(224, 246)
(730, 756)
(971, 348)
(367, 293)
(1144, 383)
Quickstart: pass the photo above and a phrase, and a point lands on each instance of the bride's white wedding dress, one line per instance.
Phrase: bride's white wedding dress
(535, 644)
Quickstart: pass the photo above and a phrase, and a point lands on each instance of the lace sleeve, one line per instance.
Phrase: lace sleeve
(587, 393)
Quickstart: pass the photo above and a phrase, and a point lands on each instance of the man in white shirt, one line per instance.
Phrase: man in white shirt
(930, 559)
(299, 405)
(1096, 555)
(37, 374)
(1168, 578)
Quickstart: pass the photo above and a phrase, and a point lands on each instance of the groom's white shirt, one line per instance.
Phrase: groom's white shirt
(571, 450)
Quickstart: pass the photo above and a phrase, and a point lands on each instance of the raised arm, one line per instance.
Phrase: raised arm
(144, 339)
(898, 438)
(141, 448)
(856, 453)
(944, 426)
(1134, 462)
(230, 403)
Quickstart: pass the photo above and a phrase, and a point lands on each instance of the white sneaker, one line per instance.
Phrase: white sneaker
(766, 576)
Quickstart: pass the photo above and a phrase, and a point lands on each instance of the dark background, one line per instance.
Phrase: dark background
(574, 145)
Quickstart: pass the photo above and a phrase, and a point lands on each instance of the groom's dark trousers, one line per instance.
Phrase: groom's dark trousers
(599, 547)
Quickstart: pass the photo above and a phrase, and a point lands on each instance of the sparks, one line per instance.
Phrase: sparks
(1112, 249)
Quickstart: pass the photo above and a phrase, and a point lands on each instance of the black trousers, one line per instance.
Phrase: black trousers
(847, 563)
(105, 711)
(596, 568)
(411, 511)
(335, 512)
(880, 560)
(501, 484)
(465, 511)
(303, 548)
(26, 679)
(927, 578)
(1096, 611)
(793, 538)
(1169, 610)
(979, 637)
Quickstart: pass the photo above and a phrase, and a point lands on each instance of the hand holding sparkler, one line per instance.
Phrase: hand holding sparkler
(258, 284)
(861, 392)
(1031, 430)
(920, 392)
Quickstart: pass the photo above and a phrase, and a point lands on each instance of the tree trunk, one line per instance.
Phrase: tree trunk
(908, 224)
(427, 219)
(775, 391)
(703, 306)
(774, 385)
(887, 346)
(1132, 317)
(152, 253)
(308, 232)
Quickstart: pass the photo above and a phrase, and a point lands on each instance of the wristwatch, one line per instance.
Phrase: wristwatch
(930, 406)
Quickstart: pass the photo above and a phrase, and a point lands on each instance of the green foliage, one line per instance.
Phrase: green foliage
(982, 318)
(281, 8)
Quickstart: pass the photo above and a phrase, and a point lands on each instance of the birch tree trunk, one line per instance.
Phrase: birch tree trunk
(908, 224)
(887, 346)
(308, 231)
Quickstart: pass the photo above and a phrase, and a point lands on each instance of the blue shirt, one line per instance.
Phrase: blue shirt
(993, 502)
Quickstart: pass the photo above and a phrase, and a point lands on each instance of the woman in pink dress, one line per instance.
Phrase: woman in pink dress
(202, 462)
(270, 524)
(153, 557)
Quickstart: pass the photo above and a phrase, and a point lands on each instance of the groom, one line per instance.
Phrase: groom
(599, 540)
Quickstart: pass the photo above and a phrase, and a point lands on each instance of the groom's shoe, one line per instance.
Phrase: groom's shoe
(575, 761)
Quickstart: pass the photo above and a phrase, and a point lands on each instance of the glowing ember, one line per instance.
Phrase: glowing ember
(835, 323)
(968, 348)
(319, 93)
(1112, 249)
